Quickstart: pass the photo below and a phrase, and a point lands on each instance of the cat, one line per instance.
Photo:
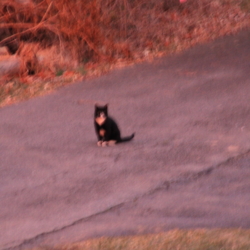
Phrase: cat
(107, 129)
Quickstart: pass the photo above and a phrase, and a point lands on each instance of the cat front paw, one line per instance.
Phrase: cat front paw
(99, 143)
(105, 143)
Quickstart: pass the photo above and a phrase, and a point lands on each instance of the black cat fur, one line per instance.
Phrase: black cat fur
(106, 128)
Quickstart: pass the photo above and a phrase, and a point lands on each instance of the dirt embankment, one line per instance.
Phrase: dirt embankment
(75, 39)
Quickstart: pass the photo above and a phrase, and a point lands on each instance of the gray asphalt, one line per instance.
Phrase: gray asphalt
(187, 167)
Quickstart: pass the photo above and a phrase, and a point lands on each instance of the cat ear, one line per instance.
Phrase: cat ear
(106, 105)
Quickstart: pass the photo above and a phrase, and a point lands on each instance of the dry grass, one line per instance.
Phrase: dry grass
(91, 37)
(226, 239)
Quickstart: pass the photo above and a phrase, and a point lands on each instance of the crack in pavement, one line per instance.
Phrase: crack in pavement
(37, 237)
(165, 185)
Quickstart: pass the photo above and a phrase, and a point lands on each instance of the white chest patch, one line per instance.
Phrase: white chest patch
(100, 120)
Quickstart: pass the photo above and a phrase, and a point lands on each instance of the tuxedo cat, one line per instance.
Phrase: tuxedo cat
(106, 128)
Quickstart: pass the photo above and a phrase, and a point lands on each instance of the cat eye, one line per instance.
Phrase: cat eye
(101, 114)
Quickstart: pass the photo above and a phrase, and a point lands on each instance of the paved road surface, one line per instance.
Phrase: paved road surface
(187, 167)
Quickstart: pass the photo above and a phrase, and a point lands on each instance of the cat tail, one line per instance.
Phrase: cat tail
(127, 138)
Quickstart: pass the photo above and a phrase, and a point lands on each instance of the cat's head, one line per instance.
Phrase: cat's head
(101, 111)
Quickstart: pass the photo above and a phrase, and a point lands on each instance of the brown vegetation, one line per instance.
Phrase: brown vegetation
(202, 239)
(52, 36)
